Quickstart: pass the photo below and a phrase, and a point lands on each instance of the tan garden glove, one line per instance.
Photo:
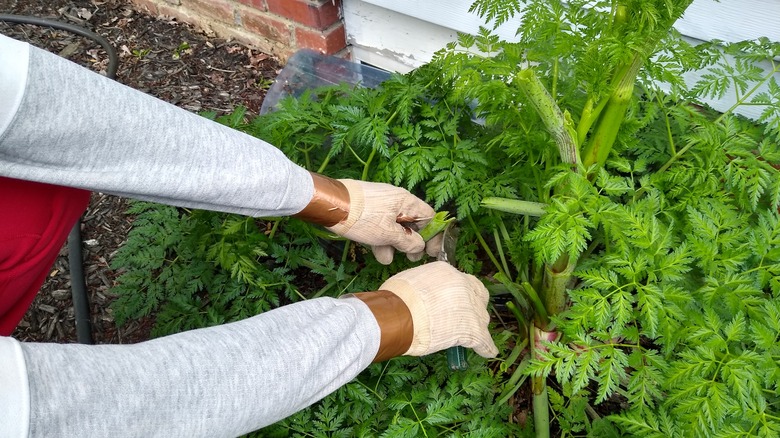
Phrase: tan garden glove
(371, 213)
(446, 307)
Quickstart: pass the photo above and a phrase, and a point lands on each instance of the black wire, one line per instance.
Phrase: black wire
(75, 257)
(113, 59)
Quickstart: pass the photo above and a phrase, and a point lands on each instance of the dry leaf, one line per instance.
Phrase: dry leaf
(84, 13)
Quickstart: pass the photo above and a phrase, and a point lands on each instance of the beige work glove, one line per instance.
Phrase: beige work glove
(372, 214)
(448, 308)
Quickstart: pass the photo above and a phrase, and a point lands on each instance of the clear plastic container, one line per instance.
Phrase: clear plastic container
(307, 69)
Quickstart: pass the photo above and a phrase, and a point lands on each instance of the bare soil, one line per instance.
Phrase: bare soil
(159, 56)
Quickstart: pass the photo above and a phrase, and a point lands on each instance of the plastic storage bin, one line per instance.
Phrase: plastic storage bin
(307, 69)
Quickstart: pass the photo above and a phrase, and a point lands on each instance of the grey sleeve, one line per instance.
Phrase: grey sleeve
(66, 125)
(217, 382)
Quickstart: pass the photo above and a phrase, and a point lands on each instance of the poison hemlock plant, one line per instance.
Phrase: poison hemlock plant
(635, 230)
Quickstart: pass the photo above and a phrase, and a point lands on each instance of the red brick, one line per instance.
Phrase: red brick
(221, 10)
(266, 25)
(257, 4)
(319, 14)
(328, 42)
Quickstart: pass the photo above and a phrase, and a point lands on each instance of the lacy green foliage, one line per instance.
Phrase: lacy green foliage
(669, 224)
(408, 397)
(195, 269)
(674, 237)
(199, 268)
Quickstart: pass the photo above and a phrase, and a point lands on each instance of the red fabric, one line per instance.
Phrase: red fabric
(35, 220)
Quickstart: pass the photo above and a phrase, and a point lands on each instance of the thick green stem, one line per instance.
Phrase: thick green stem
(558, 123)
(525, 297)
(541, 312)
(586, 119)
(605, 133)
(539, 393)
(541, 414)
(556, 280)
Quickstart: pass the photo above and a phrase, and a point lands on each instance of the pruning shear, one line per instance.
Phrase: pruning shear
(441, 223)
(456, 356)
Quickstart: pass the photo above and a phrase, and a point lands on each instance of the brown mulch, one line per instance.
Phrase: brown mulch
(161, 57)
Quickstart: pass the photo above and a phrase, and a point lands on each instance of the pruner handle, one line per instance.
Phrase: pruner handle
(442, 223)
(456, 358)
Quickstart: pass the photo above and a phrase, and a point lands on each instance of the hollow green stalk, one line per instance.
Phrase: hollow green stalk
(556, 280)
(611, 118)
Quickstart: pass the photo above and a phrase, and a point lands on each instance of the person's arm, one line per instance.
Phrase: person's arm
(220, 381)
(66, 125)
(63, 124)
(229, 380)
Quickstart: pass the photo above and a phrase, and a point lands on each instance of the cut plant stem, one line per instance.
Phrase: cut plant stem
(554, 287)
(514, 383)
(515, 206)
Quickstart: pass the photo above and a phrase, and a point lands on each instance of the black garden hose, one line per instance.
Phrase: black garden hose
(113, 59)
(75, 257)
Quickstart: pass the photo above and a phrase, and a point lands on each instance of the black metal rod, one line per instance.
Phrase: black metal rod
(78, 286)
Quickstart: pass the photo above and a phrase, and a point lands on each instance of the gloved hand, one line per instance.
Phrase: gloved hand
(447, 308)
(370, 213)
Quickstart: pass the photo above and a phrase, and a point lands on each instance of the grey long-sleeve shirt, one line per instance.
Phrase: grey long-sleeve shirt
(62, 124)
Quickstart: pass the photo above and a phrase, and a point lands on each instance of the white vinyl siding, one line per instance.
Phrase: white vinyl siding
(399, 35)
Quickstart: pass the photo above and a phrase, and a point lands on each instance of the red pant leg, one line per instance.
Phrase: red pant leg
(35, 220)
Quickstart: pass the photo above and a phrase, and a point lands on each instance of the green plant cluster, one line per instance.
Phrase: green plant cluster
(408, 397)
(635, 230)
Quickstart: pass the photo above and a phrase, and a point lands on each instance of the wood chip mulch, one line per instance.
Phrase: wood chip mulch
(161, 57)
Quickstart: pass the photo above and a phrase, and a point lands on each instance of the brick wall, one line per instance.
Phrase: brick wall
(279, 27)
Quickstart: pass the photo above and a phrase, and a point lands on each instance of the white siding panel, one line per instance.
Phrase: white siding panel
(451, 14)
(727, 20)
(391, 40)
(399, 35)
(731, 20)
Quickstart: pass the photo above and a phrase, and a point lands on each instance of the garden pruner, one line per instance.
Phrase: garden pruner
(442, 223)
(456, 356)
